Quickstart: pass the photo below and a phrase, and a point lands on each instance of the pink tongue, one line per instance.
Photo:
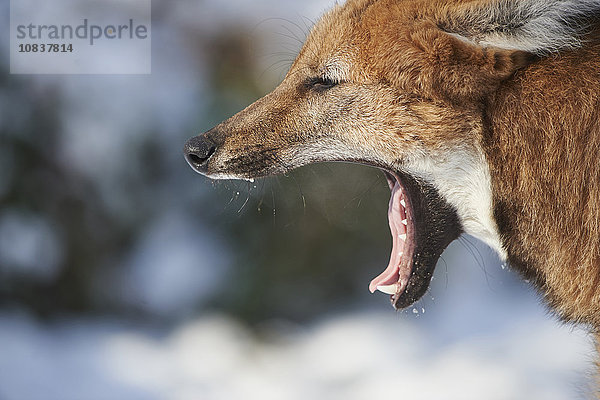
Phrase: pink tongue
(396, 214)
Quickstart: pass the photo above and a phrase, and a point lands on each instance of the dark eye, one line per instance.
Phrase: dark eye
(322, 83)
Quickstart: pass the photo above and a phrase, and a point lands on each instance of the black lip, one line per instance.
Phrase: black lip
(436, 226)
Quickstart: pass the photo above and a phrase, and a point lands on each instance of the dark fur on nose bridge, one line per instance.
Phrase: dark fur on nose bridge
(198, 151)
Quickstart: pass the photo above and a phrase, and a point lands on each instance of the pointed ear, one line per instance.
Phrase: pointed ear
(472, 47)
(460, 69)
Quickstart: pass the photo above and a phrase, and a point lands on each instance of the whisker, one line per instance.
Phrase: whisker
(445, 270)
(275, 65)
(301, 193)
(362, 194)
(308, 27)
(273, 199)
(247, 198)
(480, 261)
(300, 39)
(291, 37)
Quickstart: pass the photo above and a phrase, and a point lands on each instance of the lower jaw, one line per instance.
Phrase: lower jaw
(438, 225)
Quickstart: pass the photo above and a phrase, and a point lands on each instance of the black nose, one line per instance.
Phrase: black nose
(198, 151)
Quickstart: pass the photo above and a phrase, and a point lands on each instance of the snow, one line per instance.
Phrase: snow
(349, 356)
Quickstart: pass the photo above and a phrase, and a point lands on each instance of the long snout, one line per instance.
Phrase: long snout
(255, 142)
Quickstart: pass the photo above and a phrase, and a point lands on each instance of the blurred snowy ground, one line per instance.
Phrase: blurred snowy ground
(352, 356)
(479, 339)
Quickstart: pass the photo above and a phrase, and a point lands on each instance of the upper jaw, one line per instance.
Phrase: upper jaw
(394, 279)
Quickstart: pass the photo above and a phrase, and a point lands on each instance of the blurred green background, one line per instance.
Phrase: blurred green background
(91, 164)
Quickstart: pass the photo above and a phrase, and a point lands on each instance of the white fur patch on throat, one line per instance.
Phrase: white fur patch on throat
(463, 179)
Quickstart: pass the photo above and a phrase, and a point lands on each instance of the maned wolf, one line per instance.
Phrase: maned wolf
(484, 115)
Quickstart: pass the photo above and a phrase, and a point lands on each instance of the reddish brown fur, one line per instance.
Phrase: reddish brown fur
(541, 135)
(411, 88)
(543, 142)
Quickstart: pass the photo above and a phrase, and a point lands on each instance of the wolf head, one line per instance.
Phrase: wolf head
(403, 86)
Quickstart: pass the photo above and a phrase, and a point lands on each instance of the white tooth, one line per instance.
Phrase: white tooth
(402, 236)
(405, 222)
(390, 289)
(400, 253)
(403, 203)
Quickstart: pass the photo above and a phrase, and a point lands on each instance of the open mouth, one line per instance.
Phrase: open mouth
(395, 277)
(422, 225)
